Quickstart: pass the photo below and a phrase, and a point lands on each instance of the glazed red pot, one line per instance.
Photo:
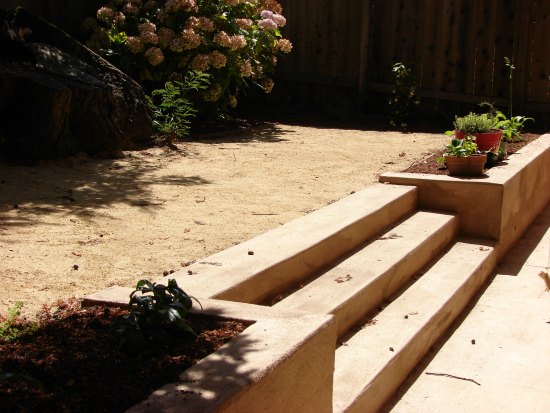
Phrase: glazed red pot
(466, 165)
(485, 141)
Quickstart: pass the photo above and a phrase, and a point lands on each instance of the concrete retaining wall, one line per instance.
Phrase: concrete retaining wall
(500, 205)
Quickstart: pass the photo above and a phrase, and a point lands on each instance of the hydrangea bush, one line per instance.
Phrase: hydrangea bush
(236, 42)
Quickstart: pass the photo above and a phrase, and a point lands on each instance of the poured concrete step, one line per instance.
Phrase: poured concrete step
(502, 343)
(355, 286)
(373, 362)
(257, 269)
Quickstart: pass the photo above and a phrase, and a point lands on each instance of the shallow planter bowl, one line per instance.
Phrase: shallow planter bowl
(466, 165)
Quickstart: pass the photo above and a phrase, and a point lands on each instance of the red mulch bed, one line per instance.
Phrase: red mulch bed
(76, 360)
(430, 165)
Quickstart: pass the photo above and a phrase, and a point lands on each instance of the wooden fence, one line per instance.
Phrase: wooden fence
(346, 48)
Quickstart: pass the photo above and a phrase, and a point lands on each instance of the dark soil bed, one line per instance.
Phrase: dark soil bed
(430, 165)
(76, 366)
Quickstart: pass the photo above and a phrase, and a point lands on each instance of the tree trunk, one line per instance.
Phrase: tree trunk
(59, 98)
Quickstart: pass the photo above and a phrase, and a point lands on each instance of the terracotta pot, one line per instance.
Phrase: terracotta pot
(466, 165)
(485, 141)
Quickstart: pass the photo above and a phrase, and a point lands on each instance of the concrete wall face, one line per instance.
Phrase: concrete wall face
(527, 192)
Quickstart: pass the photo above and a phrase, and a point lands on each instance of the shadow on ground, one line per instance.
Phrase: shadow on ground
(241, 131)
(85, 187)
(89, 187)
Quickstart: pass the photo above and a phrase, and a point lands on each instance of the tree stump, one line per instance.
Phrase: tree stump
(58, 98)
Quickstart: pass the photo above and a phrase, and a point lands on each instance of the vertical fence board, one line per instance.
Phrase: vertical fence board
(484, 21)
(522, 43)
(539, 64)
(376, 12)
(419, 10)
(428, 41)
(364, 46)
(504, 47)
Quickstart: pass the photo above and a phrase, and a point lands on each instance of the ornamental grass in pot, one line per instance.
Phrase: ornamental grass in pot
(463, 158)
(481, 127)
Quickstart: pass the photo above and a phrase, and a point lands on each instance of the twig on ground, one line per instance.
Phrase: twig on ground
(453, 377)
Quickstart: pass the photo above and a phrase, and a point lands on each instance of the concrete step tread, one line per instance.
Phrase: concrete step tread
(251, 271)
(355, 286)
(377, 358)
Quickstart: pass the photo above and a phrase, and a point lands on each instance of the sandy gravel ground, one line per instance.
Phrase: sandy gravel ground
(69, 228)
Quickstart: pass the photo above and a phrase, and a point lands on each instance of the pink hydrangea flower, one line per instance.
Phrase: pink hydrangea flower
(267, 24)
(131, 8)
(149, 37)
(244, 23)
(236, 42)
(134, 44)
(246, 68)
(105, 14)
(223, 39)
(277, 18)
(147, 27)
(206, 24)
(217, 59)
(165, 37)
(200, 62)
(267, 84)
(273, 5)
(284, 45)
(191, 40)
(154, 56)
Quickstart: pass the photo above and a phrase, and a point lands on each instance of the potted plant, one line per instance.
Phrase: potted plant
(463, 158)
(482, 127)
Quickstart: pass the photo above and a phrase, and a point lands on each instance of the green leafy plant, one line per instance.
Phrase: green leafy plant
(403, 96)
(157, 312)
(13, 326)
(511, 127)
(460, 148)
(236, 42)
(473, 123)
(172, 106)
(508, 63)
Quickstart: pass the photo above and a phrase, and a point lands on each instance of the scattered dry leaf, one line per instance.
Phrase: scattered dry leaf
(344, 278)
